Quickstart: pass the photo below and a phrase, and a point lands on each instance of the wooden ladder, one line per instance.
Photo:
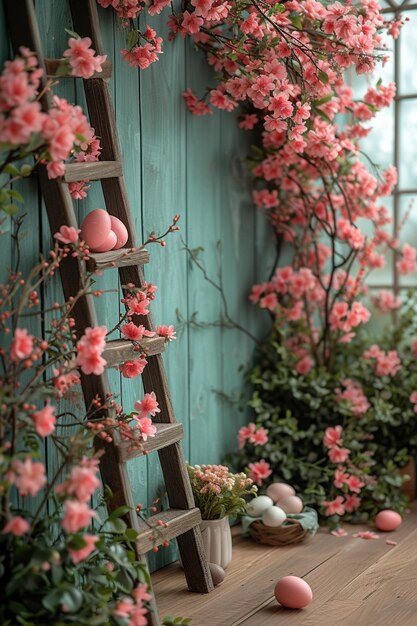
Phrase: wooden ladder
(183, 517)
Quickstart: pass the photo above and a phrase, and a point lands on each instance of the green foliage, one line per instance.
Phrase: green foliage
(297, 409)
(40, 584)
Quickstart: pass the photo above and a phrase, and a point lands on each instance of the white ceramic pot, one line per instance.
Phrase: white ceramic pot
(217, 540)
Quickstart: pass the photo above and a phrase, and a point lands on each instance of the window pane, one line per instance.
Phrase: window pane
(408, 233)
(379, 144)
(407, 82)
(408, 145)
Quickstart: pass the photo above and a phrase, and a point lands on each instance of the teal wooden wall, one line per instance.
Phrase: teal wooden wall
(174, 163)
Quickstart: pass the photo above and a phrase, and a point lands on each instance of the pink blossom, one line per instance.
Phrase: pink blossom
(366, 534)
(355, 484)
(334, 507)
(44, 420)
(386, 301)
(82, 58)
(333, 437)
(22, 345)
(340, 478)
(245, 432)
(304, 365)
(259, 437)
(29, 477)
(137, 304)
(77, 515)
(63, 381)
(166, 331)
(131, 369)
(89, 349)
(259, 471)
(82, 482)
(67, 234)
(339, 532)
(148, 406)
(191, 23)
(352, 503)
(390, 542)
(146, 427)
(82, 553)
(135, 333)
(338, 455)
(17, 526)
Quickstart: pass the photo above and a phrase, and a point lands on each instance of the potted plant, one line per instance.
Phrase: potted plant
(219, 494)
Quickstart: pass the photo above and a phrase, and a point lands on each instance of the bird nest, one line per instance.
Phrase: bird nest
(292, 532)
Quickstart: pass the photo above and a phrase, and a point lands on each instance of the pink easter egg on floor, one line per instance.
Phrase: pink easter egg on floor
(291, 504)
(388, 520)
(120, 231)
(277, 491)
(95, 228)
(293, 592)
(108, 244)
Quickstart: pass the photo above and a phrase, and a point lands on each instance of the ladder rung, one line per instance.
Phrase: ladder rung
(166, 435)
(179, 521)
(53, 64)
(124, 257)
(92, 170)
(120, 350)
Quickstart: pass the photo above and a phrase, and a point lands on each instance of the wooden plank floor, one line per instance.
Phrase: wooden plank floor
(355, 582)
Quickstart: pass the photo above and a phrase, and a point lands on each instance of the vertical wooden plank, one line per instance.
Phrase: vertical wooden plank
(128, 121)
(237, 267)
(53, 18)
(204, 229)
(5, 222)
(163, 195)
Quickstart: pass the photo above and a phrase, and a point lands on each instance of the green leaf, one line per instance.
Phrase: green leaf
(10, 209)
(72, 33)
(26, 170)
(132, 38)
(323, 77)
(63, 68)
(118, 526)
(131, 534)
(296, 21)
(120, 511)
(11, 169)
(16, 195)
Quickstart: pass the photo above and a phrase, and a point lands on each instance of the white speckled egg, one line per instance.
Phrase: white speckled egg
(258, 505)
(274, 516)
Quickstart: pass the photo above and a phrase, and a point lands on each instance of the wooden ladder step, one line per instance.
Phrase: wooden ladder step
(120, 350)
(52, 66)
(124, 257)
(92, 170)
(166, 435)
(178, 522)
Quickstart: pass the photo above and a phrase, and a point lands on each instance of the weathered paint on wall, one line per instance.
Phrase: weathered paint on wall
(174, 163)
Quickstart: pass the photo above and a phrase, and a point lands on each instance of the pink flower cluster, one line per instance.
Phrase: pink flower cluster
(386, 363)
(132, 608)
(146, 407)
(346, 477)
(252, 434)
(354, 395)
(386, 301)
(64, 130)
(82, 58)
(89, 350)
